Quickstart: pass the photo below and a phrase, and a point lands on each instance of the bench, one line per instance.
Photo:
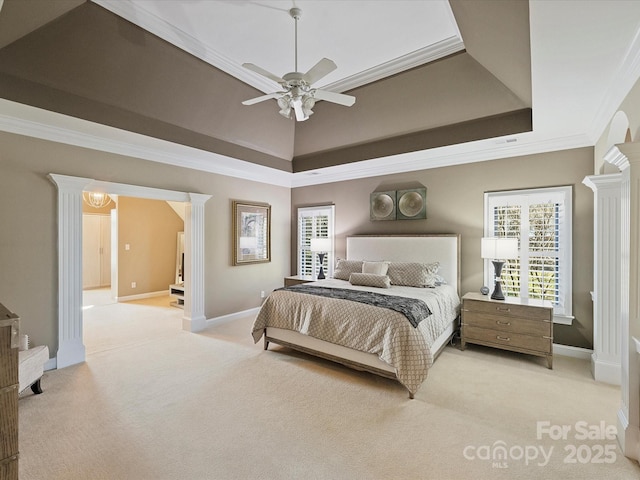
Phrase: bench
(31, 367)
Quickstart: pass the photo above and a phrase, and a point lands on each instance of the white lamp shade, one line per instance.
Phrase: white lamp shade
(499, 248)
(320, 244)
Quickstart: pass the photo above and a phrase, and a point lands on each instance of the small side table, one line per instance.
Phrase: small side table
(297, 280)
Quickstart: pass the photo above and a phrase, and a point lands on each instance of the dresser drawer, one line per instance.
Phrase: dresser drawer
(523, 326)
(508, 310)
(507, 340)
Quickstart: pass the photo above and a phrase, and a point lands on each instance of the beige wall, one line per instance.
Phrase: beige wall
(455, 198)
(28, 238)
(150, 228)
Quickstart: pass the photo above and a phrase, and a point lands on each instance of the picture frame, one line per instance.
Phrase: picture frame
(251, 232)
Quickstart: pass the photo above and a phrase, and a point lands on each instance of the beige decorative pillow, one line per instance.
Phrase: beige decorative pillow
(345, 268)
(377, 268)
(410, 274)
(370, 280)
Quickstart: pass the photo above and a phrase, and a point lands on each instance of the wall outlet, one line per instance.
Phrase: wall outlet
(133, 285)
(262, 294)
(127, 246)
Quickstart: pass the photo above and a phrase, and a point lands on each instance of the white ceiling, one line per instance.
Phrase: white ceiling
(367, 39)
(585, 57)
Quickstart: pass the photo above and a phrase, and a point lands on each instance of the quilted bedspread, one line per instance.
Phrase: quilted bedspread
(363, 327)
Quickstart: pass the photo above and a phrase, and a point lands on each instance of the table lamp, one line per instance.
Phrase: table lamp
(320, 246)
(498, 249)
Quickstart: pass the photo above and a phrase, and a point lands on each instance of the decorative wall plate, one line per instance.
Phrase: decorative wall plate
(412, 204)
(382, 205)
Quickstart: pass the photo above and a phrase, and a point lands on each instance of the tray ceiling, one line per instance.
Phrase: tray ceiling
(427, 75)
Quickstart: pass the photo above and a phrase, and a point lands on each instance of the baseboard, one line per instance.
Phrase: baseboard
(232, 316)
(569, 351)
(51, 364)
(141, 296)
(606, 372)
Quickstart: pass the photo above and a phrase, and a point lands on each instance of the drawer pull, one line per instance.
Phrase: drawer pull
(503, 323)
(506, 339)
(503, 309)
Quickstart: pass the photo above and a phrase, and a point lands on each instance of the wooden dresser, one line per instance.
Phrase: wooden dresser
(515, 324)
(9, 338)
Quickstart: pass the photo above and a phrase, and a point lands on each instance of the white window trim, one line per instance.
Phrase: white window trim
(308, 211)
(566, 317)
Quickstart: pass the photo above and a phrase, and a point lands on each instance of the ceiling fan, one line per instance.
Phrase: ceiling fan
(298, 96)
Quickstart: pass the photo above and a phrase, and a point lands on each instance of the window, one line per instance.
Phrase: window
(541, 221)
(314, 222)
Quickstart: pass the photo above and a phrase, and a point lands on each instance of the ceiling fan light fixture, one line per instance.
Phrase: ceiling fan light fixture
(285, 107)
(298, 94)
(307, 104)
(286, 112)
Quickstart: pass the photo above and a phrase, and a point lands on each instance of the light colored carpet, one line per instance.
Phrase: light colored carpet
(155, 402)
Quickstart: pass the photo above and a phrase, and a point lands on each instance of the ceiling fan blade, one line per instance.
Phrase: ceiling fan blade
(340, 98)
(263, 72)
(262, 98)
(297, 107)
(319, 70)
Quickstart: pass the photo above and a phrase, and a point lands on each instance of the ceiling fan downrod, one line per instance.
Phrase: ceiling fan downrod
(296, 13)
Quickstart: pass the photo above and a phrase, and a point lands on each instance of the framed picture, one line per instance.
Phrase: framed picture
(251, 232)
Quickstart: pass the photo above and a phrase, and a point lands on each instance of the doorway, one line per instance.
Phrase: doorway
(71, 349)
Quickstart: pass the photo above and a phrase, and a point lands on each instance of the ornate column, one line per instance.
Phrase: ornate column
(70, 343)
(607, 335)
(194, 319)
(627, 158)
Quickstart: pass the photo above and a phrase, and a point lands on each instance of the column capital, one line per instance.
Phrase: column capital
(596, 182)
(68, 183)
(198, 198)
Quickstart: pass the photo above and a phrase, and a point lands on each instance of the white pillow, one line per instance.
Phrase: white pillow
(375, 268)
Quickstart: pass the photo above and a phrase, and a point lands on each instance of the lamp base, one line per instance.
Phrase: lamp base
(321, 271)
(497, 289)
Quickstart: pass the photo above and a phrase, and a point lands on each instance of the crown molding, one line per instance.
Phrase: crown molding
(39, 123)
(431, 53)
(623, 81)
(34, 122)
(479, 151)
(150, 22)
(147, 20)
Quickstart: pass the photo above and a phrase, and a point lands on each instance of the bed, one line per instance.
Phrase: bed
(400, 341)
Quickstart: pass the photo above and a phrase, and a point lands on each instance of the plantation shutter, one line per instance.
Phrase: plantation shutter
(314, 222)
(541, 221)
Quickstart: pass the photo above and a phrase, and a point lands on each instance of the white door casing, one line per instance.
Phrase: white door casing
(71, 348)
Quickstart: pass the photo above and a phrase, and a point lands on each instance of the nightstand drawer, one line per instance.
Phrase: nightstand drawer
(524, 326)
(507, 340)
(507, 309)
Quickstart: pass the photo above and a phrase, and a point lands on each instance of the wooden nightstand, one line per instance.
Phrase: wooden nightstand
(516, 324)
(297, 279)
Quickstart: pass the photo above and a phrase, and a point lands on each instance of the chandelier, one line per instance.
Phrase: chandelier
(96, 199)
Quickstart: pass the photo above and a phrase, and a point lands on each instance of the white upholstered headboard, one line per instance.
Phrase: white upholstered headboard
(443, 248)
